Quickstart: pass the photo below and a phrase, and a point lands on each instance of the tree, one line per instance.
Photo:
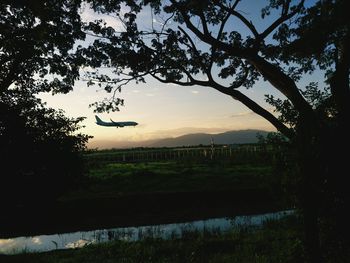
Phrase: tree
(37, 39)
(205, 41)
(36, 42)
(40, 149)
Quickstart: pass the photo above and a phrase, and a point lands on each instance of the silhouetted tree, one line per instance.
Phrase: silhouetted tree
(40, 149)
(36, 42)
(206, 46)
(39, 146)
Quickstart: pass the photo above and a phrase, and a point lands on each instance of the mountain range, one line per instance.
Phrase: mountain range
(229, 137)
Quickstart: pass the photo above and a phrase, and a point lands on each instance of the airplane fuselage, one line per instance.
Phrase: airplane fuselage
(115, 123)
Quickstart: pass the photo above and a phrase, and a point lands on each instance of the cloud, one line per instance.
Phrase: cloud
(242, 114)
(36, 240)
(249, 113)
(7, 244)
(172, 84)
(79, 243)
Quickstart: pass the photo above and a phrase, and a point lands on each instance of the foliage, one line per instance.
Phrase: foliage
(36, 39)
(185, 54)
(272, 138)
(193, 42)
(202, 43)
(40, 147)
(321, 102)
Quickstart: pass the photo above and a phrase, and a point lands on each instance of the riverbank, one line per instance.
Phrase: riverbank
(42, 243)
(132, 194)
(275, 241)
(135, 210)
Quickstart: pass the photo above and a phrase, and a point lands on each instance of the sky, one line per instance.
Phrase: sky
(162, 110)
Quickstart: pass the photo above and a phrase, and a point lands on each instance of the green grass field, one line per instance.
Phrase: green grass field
(108, 182)
(117, 179)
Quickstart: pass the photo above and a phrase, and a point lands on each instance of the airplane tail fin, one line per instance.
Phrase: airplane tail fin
(98, 120)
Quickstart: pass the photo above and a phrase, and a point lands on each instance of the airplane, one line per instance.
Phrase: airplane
(118, 124)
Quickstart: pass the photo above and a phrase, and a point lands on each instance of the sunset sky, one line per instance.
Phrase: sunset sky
(161, 111)
(165, 110)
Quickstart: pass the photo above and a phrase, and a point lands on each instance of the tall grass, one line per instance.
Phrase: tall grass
(276, 241)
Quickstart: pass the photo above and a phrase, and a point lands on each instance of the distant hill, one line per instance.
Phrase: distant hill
(230, 137)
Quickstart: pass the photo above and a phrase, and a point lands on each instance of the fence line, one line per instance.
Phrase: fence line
(201, 153)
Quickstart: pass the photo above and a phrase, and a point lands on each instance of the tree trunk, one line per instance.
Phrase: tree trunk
(324, 195)
(307, 148)
(310, 209)
(336, 189)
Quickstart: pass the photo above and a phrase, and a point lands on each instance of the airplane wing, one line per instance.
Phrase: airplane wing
(117, 124)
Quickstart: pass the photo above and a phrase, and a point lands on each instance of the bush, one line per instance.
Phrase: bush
(40, 149)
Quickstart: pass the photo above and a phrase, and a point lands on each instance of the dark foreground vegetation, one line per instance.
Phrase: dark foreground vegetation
(274, 242)
(253, 180)
(133, 193)
(188, 43)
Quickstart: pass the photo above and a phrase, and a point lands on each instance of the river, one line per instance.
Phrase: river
(42, 243)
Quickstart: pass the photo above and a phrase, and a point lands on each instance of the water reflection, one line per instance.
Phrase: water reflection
(166, 231)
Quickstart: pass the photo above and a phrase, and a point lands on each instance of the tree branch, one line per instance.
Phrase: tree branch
(208, 38)
(237, 95)
(189, 39)
(239, 83)
(339, 82)
(222, 26)
(235, 4)
(245, 21)
(284, 17)
(12, 72)
(166, 22)
(283, 83)
(181, 83)
(204, 23)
